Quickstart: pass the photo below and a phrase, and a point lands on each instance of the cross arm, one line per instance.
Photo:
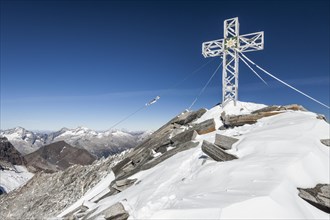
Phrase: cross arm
(212, 48)
(251, 42)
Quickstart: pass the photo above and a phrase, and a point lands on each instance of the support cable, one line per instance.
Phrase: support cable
(281, 81)
(253, 70)
(157, 97)
(203, 89)
(128, 116)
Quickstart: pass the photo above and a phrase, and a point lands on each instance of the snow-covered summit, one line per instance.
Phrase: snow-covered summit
(275, 156)
(171, 176)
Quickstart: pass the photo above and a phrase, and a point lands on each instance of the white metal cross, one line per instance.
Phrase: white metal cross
(228, 49)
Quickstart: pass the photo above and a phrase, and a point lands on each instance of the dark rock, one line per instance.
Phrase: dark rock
(240, 120)
(120, 167)
(321, 117)
(222, 128)
(204, 127)
(188, 117)
(267, 109)
(116, 212)
(326, 142)
(183, 137)
(319, 196)
(170, 153)
(9, 153)
(123, 184)
(224, 142)
(216, 152)
(162, 149)
(2, 191)
(5, 165)
(194, 115)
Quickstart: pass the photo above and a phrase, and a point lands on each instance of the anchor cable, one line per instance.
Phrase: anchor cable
(281, 81)
(253, 70)
(203, 89)
(161, 94)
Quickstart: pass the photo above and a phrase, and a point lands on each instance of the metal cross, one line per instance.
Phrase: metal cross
(228, 48)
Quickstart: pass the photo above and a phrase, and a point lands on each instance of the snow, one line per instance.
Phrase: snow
(62, 149)
(276, 155)
(11, 179)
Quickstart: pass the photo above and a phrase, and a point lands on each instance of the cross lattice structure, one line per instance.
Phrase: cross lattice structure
(228, 49)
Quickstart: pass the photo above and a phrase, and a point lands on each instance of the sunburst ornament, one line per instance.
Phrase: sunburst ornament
(231, 43)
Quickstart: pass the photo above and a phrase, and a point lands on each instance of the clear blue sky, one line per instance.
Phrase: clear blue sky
(91, 63)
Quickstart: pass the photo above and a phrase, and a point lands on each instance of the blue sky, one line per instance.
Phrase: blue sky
(91, 63)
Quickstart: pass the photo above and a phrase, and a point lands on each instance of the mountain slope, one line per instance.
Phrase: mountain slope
(9, 153)
(48, 193)
(58, 156)
(170, 177)
(13, 173)
(276, 155)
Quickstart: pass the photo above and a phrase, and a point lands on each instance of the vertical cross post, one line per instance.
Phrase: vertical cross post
(230, 61)
(228, 49)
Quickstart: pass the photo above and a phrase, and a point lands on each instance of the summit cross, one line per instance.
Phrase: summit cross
(228, 49)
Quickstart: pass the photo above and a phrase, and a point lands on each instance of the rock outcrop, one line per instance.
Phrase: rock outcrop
(319, 196)
(224, 142)
(204, 127)
(230, 121)
(184, 137)
(160, 141)
(216, 153)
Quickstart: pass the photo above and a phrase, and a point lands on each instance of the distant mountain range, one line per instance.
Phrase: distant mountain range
(100, 144)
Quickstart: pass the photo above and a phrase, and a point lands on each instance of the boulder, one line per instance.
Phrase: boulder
(326, 142)
(194, 115)
(122, 166)
(224, 142)
(187, 117)
(204, 127)
(123, 184)
(267, 109)
(116, 212)
(240, 120)
(216, 152)
(321, 117)
(162, 149)
(183, 137)
(319, 196)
